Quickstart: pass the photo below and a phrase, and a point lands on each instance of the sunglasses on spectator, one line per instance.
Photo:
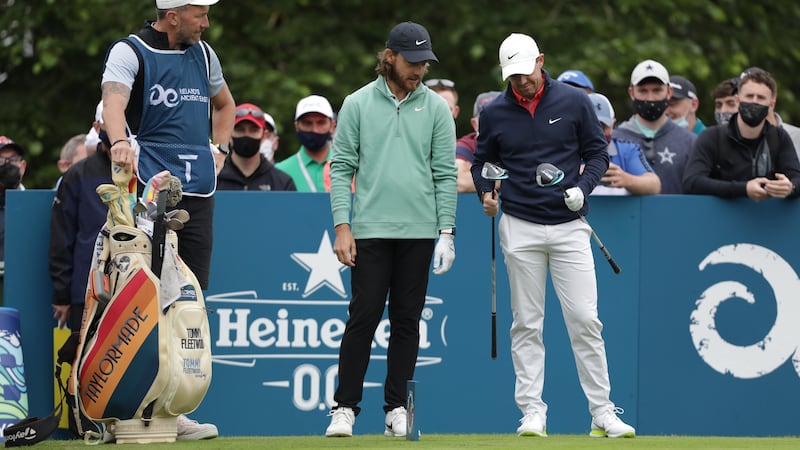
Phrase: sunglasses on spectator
(440, 82)
(257, 113)
(9, 160)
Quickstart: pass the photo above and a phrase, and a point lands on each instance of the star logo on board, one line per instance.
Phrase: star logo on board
(325, 269)
(666, 156)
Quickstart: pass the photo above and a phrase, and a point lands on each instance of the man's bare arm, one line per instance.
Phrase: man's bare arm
(115, 99)
(224, 115)
(645, 184)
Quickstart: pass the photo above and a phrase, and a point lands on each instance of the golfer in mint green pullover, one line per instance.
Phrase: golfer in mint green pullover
(397, 137)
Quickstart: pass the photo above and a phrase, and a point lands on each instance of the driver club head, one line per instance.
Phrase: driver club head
(548, 175)
(493, 172)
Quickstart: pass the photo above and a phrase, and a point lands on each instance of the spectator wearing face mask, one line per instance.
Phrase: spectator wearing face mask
(315, 125)
(665, 144)
(682, 106)
(748, 156)
(628, 171)
(247, 167)
(775, 118)
(726, 103)
(12, 168)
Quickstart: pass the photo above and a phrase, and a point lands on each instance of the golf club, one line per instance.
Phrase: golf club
(549, 175)
(494, 173)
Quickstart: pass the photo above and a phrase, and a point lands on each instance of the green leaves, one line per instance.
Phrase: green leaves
(274, 53)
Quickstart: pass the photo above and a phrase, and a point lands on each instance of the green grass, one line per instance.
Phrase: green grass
(459, 441)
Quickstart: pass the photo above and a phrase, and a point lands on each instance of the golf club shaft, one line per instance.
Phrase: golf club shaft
(494, 298)
(614, 266)
(606, 253)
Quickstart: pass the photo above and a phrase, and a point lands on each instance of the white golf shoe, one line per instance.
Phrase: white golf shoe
(533, 424)
(396, 422)
(342, 420)
(607, 424)
(191, 430)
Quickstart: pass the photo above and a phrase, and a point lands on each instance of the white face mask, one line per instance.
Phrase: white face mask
(681, 122)
(267, 149)
(92, 139)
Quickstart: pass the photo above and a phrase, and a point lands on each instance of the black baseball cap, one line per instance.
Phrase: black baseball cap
(8, 143)
(412, 41)
(682, 88)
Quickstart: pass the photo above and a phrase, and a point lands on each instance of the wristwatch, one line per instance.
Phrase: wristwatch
(448, 231)
(223, 148)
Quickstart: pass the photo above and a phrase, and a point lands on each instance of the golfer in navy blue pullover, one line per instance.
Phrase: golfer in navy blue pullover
(541, 120)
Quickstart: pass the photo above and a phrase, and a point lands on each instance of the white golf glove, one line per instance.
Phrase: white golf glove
(573, 197)
(444, 254)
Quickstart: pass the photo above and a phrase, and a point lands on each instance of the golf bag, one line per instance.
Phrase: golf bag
(144, 351)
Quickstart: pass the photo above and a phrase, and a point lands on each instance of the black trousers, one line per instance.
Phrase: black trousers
(398, 268)
(194, 240)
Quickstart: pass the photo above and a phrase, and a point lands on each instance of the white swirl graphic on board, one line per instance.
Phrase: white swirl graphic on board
(779, 344)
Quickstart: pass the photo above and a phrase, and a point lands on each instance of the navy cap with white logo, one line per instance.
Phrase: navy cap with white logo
(682, 88)
(412, 41)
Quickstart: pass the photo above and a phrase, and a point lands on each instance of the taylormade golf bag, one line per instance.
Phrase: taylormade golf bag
(144, 351)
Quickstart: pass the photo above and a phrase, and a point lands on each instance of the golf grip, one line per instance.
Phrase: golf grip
(494, 335)
(606, 253)
(494, 297)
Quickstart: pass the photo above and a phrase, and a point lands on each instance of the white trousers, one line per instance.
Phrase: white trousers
(530, 249)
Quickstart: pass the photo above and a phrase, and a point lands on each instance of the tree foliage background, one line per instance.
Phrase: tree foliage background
(276, 52)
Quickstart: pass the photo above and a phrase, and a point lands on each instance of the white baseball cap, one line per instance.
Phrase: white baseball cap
(603, 108)
(169, 4)
(314, 103)
(518, 54)
(649, 69)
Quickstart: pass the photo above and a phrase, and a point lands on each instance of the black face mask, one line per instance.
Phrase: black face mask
(753, 113)
(9, 176)
(313, 142)
(246, 146)
(104, 139)
(650, 110)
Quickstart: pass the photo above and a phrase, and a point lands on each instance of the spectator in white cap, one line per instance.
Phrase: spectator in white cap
(628, 171)
(578, 79)
(665, 144)
(683, 105)
(315, 124)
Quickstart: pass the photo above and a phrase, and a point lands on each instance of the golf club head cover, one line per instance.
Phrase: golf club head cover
(573, 197)
(444, 254)
(175, 191)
